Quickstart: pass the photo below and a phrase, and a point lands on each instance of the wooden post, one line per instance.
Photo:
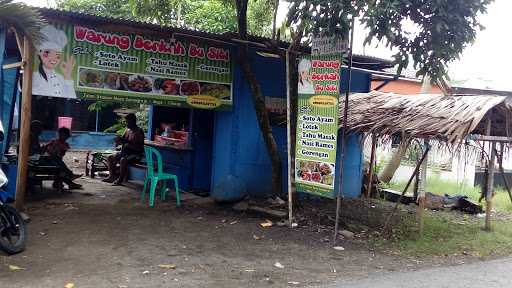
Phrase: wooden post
(414, 173)
(490, 178)
(291, 172)
(422, 186)
(372, 165)
(490, 188)
(26, 111)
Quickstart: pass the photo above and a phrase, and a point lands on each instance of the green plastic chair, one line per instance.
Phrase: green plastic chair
(153, 177)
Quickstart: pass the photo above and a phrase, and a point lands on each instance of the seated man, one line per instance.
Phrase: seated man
(55, 150)
(132, 151)
(54, 158)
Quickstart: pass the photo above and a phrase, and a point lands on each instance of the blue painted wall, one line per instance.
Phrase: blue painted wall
(8, 89)
(239, 150)
(84, 140)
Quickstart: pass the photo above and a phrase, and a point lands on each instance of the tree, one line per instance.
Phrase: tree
(24, 19)
(211, 15)
(109, 8)
(256, 93)
(441, 29)
(215, 16)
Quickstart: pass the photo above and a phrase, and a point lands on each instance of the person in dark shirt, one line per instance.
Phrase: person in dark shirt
(54, 153)
(132, 151)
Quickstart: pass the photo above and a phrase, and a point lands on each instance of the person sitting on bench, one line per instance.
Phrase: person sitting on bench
(37, 158)
(132, 151)
(56, 149)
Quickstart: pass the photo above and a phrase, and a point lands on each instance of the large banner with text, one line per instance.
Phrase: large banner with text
(317, 124)
(78, 61)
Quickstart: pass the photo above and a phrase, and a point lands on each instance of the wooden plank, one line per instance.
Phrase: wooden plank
(370, 170)
(422, 183)
(19, 41)
(13, 65)
(269, 212)
(26, 111)
(489, 189)
(491, 138)
(414, 173)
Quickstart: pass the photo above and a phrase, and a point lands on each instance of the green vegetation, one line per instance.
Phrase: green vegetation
(449, 233)
(216, 16)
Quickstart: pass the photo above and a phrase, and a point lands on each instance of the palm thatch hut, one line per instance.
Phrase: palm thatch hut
(447, 118)
(450, 119)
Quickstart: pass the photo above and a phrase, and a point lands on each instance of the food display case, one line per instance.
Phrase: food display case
(183, 137)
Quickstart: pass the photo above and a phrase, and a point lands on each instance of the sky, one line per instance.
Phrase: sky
(484, 64)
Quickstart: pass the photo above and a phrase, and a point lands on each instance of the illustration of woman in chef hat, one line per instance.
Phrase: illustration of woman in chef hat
(305, 83)
(46, 81)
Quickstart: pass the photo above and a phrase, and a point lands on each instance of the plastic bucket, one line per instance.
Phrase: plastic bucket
(65, 122)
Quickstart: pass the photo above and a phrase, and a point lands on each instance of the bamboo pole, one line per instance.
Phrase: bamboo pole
(339, 193)
(490, 188)
(414, 173)
(490, 179)
(372, 165)
(289, 140)
(422, 183)
(26, 111)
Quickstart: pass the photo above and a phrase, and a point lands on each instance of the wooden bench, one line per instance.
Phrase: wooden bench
(39, 173)
(97, 161)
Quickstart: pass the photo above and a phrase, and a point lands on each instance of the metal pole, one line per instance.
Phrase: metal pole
(97, 120)
(339, 196)
(289, 140)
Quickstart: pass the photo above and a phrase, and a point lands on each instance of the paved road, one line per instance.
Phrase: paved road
(492, 274)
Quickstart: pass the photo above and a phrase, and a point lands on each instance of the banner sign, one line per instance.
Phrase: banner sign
(328, 45)
(76, 61)
(317, 124)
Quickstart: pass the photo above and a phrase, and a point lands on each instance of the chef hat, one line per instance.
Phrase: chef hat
(53, 39)
(304, 65)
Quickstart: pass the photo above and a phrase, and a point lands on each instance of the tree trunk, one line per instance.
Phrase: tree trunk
(258, 98)
(389, 170)
(276, 6)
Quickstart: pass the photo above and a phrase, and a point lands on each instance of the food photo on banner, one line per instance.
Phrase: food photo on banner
(76, 60)
(317, 124)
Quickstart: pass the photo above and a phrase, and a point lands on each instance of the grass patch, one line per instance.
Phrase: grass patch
(451, 234)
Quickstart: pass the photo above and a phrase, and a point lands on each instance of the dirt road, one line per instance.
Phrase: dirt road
(103, 237)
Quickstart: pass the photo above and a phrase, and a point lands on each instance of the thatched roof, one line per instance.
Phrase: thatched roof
(446, 118)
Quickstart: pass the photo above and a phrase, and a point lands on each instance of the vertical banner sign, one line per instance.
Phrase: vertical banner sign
(317, 124)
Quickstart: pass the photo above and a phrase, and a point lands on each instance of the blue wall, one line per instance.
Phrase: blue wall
(84, 140)
(239, 150)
